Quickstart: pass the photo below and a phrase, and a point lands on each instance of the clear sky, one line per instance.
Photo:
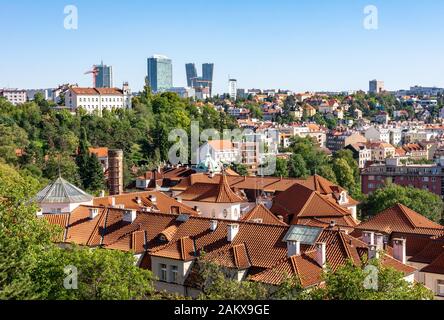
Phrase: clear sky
(291, 44)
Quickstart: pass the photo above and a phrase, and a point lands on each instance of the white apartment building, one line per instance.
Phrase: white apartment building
(15, 96)
(98, 99)
(220, 151)
(232, 88)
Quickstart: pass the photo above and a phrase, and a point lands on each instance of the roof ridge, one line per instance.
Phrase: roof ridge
(402, 208)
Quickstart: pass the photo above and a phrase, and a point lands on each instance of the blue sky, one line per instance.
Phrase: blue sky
(294, 44)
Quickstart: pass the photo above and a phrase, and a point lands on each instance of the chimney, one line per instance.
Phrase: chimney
(153, 199)
(321, 254)
(93, 212)
(293, 248)
(379, 241)
(113, 201)
(213, 225)
(102, 193)
(232, 229)
(39, 213)
(129, 215)
(138, 200)
(373, 252)
(399, 250)
(368, 237)
(332, 224)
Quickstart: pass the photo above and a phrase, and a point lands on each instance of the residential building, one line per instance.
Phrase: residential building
(338, 140)
(98, 99)
(103, 76)
(46, 93)
(421, 176)
(165, 236)
(361, 153)
(376, 86)
(160, 73)
(377, 134)
(421, 241)
(232, 89)
(381, 151)
(220, 150)
(15, 96)
(425, 91)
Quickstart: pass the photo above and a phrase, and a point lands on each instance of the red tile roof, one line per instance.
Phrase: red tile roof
(300, 202)
(163, 203)
(205, 192)
(256, 246)
(97, 91)
(260, 212)
(401, 219)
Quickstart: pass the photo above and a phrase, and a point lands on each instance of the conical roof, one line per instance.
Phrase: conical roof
(61, 191)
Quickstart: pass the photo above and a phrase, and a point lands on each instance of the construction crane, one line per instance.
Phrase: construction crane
(94, 72)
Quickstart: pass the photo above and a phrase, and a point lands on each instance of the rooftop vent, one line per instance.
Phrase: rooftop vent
(93, 212)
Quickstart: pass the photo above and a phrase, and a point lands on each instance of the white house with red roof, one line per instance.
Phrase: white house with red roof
(98, 99)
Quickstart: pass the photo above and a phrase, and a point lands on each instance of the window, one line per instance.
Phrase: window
(163, 272)
(213, 213)
(225, 213)
(174, 274)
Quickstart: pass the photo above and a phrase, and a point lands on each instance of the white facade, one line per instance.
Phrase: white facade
(14, 96)
(224, 155)
(232, 88)
(377, 134)
(98, 99)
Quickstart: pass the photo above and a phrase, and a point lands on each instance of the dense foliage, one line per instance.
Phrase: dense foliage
(422, 201)
(38, 138)
(32, 267)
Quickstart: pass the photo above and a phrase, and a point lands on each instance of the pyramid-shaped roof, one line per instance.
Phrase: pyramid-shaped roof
(61, 191)
(400, 218)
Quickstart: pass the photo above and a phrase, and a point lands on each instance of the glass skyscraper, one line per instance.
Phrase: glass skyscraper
(104, 76)
(203, 82)
(160, 73)
(191, 73)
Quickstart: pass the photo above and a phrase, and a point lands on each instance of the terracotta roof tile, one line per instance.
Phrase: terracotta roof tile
(401, 219)
(260, 212)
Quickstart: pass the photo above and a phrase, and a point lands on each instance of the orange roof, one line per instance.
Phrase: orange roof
(437, 265)
(401, 219)
(205, 192)
(220, 145)
(99, 152)
(163, 202)
(259, 246)
(96, 91)
(340, 248)
(300, 202)
(260, 212)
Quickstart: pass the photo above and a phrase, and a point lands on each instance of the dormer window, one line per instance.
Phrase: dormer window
(343, 198)
(163, 238)
(225, 213)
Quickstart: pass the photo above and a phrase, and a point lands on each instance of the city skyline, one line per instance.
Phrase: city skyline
(312, 47)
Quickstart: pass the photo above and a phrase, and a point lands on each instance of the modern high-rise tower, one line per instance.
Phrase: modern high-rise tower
(232, 88)
(205, 81)
(160, 73)
(103, 76)
(191, 73)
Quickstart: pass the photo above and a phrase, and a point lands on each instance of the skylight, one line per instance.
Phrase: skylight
(306, 235)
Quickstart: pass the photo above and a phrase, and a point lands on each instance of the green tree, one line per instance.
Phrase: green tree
(421, 201)
(95, 179)
(240, 168)
(297, 167)
(281, 168)
(216, 283)
(348, 283)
